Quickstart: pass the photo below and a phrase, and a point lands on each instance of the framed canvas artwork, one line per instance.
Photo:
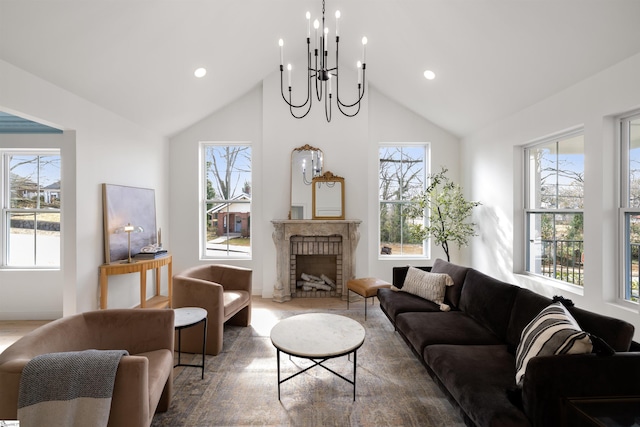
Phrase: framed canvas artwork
(123, 205)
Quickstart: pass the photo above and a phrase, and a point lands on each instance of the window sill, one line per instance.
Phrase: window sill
(396, 258)
(631, 307)
(537, 281)
(226, 258)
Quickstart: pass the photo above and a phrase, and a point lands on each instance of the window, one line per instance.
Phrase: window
(31, 200)
(402, 174)
(554, 208)
(630, 204)
(226, 195)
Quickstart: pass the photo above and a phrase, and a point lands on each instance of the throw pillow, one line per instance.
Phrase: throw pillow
(552, 331)
(430, 286)
(600, 346)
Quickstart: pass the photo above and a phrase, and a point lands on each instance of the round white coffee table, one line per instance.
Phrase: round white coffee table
(318, 337)
(186, 317)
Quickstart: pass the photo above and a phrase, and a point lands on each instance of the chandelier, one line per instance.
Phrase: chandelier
(325, 79)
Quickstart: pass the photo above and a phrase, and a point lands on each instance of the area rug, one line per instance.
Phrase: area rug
(240, 386)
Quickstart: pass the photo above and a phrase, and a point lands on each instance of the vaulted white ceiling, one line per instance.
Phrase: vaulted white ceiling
(491, 57)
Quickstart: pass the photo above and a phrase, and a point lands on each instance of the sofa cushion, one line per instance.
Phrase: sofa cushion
(457, 273)
(430, 286)
(393, 303)
(488, 301)
(526, 306)
(234, 301)
(481, 393)
(553, 331)
(454, 327)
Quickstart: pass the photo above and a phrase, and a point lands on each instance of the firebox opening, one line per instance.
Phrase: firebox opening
(320, 266)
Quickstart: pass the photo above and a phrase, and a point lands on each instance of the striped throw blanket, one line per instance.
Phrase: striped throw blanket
(68, 389)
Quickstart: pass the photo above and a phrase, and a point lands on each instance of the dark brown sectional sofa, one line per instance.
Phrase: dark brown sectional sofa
(470, 350)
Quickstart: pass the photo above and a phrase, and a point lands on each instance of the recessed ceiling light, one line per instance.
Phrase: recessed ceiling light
(200, 72)
(429, 75)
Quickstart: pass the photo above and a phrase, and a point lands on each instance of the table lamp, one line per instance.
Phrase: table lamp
(129, 229)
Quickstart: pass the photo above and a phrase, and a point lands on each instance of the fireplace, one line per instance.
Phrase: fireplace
(320, 249)
(313, 258)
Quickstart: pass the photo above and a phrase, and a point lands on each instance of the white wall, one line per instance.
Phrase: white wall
(350, 147)
(105, 148)
(492, 162)
(240, 121)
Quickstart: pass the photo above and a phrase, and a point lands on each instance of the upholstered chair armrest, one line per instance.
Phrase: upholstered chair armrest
(189, 291)
(131, 392)
(134, 330)
(10, 374)
(14, 366)
(550, 380)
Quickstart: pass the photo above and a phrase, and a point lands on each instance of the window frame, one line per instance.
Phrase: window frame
(625, 209)
(426, 244)
(204, 202)
(6, 210)
(528, 211)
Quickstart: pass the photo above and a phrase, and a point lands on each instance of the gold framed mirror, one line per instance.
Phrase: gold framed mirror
(328, 196)
(306, 163)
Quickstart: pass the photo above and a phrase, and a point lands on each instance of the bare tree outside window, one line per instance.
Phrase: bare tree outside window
(32, 215)
(555, 220)
(227, 200)
(402, 172)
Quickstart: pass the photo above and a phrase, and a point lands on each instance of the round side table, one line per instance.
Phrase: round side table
(186, 317)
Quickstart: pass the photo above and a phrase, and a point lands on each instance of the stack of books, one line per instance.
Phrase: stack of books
(151, 255)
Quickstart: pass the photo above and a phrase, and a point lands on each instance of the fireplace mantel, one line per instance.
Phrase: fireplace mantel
(285, 229)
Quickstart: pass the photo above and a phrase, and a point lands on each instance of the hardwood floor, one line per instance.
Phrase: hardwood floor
(12, 330)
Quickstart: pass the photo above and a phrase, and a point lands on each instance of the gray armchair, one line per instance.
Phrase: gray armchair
(224, 291)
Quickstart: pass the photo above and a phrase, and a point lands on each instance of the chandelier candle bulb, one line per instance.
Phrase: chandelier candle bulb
(308, 16)
(289, 72)
(326, 40)
(281, 43)
(337, 18)
(359, 71)
(364, 50)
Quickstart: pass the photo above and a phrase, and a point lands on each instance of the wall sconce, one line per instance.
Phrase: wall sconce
(129, 229)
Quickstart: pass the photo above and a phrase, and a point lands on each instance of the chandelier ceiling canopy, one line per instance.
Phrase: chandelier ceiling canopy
(321, 76)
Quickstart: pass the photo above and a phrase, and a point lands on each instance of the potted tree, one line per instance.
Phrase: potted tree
(448, 210)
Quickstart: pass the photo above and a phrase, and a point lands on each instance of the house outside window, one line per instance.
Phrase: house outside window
(630, 205)
(226, 200)
(554, 179)
(402, 175)
(31, 199)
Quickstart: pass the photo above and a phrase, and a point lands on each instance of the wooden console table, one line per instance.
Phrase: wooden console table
(141, 266)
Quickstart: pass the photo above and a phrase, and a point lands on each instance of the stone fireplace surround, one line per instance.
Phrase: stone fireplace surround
(337, 239)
